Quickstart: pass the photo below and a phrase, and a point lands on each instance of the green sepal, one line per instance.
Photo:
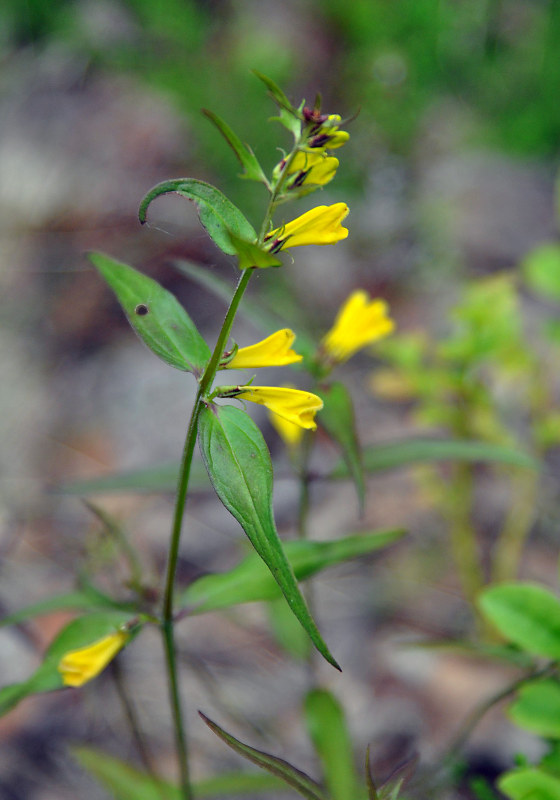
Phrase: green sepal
(217, 214)
(338, 418)
(251, 254)
(537, 708)
(251, 581)
(156, 315)
(527, 614)
(240, 469)
(294, 777)
(78, 633)
(252, 170)
(529, 783)
(125, 782)
(329, 733)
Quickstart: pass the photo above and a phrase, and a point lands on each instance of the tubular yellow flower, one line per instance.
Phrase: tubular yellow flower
(274, 351)
(359, 322)
(325, 134)
(80, 666)
(292, 405)
(321, 225)
(289, 432)
(312, 169)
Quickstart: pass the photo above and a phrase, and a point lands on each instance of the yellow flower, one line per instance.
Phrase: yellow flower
(312, 168)
(274, 351)
(80, 666)
(321, 225)
(293, 405)
(359, 322)
(288, 431)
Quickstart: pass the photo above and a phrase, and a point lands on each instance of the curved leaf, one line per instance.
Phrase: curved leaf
(217, 214)
(298, 780)
(239, 466)
(525, 613)
(251, 581)
(252, 170)
(88, 599)
(156, 315)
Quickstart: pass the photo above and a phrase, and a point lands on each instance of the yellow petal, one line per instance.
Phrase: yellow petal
(359, 322)
(80, 666)
(289, 432)
(292, 404)
(321, 225)
(313, 168)
(274, 351)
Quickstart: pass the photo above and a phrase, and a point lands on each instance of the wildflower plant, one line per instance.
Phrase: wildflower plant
(238, 463)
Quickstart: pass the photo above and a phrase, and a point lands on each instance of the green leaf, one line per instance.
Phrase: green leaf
(529, 783)
(537, 708)
(525, 613)
(88, 599)
(337, 417)
(541, 270)
(251, 581)
(330, 736)
(156, 315)
(298, 780)
(125, 782)
(252, 170)
(239, 466)
(392, 455)
(251, 254)
(78, 633)
(217, 214)
(277, 94)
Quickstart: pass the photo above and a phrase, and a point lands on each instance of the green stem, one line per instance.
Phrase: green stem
(480, 711)
(181, 497)
(517, 524)
(180, 503)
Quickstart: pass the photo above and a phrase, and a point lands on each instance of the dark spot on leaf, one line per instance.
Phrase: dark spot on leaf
(141, 309)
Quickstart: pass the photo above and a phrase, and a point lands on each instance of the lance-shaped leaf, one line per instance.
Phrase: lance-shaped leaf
(289, 116)
(525, 613)
(77, 634)
(529, 783)
(239, 466)
(331, 739)
(337, 417)
(537, 708)
(252, 170)
(295, 778)
(125, 782)
(251, 581)
(217, 214)
(87, 599)
(156, 315)
(392, 455)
